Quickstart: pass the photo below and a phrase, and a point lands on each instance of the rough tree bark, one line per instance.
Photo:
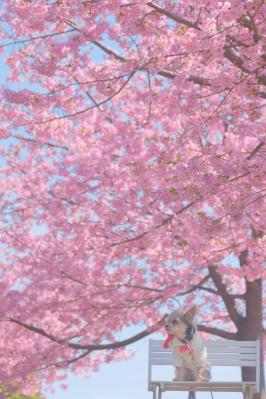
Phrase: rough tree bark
(251, 328)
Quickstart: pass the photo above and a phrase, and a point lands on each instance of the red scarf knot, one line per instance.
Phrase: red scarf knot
(184, 348)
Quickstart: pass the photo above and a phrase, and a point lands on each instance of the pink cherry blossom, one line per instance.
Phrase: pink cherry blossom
(132, 176)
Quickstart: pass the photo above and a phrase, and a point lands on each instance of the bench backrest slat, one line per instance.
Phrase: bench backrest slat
(226, 343)
(161, 362)
(213, 349)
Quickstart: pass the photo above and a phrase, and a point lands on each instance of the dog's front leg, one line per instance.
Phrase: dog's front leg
(185, 374)
(179, 374)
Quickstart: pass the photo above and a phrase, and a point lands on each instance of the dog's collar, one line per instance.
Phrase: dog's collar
(184, 341)
(189, 337)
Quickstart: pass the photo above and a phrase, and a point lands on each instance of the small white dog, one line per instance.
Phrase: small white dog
(189, 350)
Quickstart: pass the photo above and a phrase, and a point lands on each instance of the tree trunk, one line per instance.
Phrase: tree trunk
(250, 329)
(248, 374)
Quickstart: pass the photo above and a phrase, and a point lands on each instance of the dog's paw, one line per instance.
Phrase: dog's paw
(204, 375)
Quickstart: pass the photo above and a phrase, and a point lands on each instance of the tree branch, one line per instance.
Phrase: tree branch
(36, 38)
(127, 285)
(235, 59)
(217, 331)
(199, 80)
(109, 51)
(174, 17)
(228, 300)
(73, 360)
(82, 111)
(229, 52)
(33, 141)
(256, 149)
(194, 287)
(64, 342)
(209, 290)
(37, 330)
(165, 221)
(167, 74)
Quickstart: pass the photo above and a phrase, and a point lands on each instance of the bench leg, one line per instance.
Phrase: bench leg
(248, 394)
(191, 395)
(160, 390)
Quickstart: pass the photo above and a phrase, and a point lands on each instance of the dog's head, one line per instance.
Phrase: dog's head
(182, 324)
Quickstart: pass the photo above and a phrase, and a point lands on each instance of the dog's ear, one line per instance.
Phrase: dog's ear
(191, 313)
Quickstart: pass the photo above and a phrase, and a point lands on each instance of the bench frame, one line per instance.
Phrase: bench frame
(244, 353)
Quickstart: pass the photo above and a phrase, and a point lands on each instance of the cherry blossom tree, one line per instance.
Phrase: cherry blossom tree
(133, 175)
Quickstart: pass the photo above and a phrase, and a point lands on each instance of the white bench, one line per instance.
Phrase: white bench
(220, 353)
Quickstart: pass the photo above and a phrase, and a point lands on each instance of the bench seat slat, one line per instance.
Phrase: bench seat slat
(203, 387)
(215, 362)
(202, 384)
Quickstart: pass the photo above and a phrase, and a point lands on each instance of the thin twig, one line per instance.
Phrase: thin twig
(36, 38)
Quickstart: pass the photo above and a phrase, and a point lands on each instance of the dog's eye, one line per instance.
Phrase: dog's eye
(174, 321)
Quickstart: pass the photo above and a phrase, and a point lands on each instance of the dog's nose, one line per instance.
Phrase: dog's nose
(166, 327)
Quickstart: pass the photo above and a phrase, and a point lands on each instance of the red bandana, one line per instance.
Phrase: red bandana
(184, 348)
